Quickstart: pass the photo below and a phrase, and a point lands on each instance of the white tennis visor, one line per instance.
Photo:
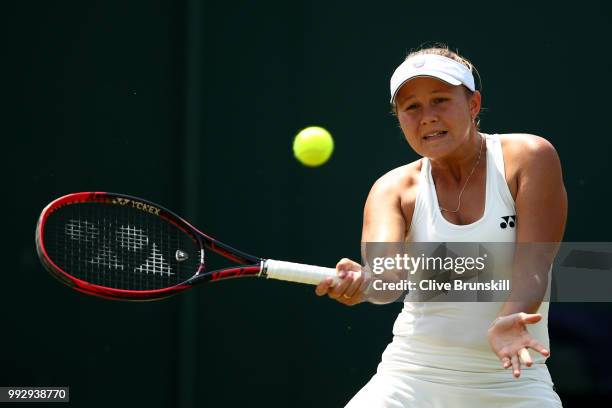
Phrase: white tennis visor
(430, 65)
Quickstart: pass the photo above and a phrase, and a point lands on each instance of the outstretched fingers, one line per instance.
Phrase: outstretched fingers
(510, 341)
(506, 362)
(539, 347)
(516, 366)
(530, 318)
(525, 357)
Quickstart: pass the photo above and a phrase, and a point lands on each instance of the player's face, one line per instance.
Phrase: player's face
(436, 118)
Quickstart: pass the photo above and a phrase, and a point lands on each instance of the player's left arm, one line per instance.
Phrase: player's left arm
(541, 213)
(541, 209)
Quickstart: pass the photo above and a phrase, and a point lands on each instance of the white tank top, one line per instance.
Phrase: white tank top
(452, 335)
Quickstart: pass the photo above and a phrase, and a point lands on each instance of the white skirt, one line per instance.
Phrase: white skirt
(399, 383)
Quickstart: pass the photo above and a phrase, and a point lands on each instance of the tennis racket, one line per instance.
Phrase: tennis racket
(120, 247)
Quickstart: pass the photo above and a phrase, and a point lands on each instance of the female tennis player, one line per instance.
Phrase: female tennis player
(455, 354)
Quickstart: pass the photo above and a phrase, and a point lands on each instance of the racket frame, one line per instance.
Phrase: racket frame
(250, 265)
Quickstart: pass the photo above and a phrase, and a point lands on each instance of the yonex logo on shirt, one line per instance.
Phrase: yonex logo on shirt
(508, 221)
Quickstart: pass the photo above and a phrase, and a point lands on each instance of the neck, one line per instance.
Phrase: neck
(460, 163)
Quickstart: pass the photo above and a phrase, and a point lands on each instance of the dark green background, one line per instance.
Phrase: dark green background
(194, 105)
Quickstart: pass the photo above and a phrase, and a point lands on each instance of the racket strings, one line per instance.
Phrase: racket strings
(119, 247)
(155, 264)
(131, 238)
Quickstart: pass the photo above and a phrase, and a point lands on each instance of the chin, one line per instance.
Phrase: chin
(436, 150)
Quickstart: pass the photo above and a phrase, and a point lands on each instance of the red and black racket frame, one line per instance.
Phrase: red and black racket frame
(250, 266)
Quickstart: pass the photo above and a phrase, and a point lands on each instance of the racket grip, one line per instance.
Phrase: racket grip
(300, 273)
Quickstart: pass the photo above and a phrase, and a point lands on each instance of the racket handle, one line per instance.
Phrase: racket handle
(297, 272)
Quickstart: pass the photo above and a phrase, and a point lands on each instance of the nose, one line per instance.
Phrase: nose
(429, 115)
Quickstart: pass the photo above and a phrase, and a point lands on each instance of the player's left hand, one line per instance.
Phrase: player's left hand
(509, 340)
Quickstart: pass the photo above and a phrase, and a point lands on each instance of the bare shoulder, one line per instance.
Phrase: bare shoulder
(400, 177)
(522, 148)
(397, 182)
(523, 154)
(529, 157)
(388, 209)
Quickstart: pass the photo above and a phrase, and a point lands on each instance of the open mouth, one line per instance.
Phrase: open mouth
(435, 135)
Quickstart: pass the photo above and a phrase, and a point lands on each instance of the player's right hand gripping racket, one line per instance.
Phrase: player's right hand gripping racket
(120, 247)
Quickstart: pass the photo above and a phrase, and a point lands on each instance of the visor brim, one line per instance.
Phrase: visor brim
(431, 74)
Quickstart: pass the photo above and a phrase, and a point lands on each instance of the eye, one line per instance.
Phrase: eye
(410, 107)
(438, 101)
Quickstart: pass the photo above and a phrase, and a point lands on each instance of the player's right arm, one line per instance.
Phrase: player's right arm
(384, 221)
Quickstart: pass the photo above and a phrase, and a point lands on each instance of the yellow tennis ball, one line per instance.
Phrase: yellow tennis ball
(313, 146)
